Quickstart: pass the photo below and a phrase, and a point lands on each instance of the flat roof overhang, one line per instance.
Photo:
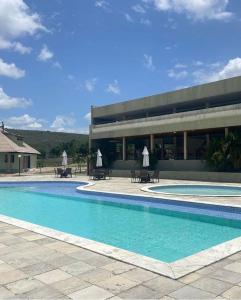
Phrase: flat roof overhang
(216, 118)
(224, 89)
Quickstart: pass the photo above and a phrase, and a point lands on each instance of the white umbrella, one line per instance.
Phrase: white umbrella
(65, 159)
(145, 154)
(99, 159)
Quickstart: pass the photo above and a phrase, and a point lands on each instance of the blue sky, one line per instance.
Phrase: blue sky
(59, 57)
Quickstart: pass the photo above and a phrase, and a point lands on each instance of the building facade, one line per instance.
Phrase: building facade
(177, 125)
(15, 154)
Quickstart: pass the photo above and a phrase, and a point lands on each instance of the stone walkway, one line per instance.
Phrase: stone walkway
(33, 266)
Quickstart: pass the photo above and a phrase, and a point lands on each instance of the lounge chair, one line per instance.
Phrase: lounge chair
(155, 176)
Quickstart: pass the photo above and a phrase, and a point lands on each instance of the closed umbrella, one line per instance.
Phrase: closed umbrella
(99, 159)
(145, 154)
(65, 159)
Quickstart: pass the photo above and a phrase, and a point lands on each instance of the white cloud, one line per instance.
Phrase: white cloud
(10, 70)
(139, 9)
(146, 22)
(231, 69)
(148, 62)
(7, 102)
(24, 122)
(90, 84)
(197, 63)
(57, 65)
(177, 74)
(45, 54)
(61, 122)
(113, 88)
(198, 9)
(128, 18)
(180, 66)
(71, 77)
(17, 20)
(102, 4)
(15, 46)
(88, 116)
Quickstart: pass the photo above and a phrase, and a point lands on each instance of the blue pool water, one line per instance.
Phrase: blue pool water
(202, 190)
(163, 234)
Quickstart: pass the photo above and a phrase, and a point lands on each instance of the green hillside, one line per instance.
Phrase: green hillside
(46, 141)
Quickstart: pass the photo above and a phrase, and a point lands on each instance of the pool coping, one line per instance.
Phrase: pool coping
(148, 189)
(172, 270)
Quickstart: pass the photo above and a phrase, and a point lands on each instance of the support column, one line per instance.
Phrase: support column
(226, 131)
(152, 142)
(123, 148)
(185, 145)
(208, 138)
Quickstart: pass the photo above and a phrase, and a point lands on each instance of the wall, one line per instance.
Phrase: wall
(14, 167)
(164, 165)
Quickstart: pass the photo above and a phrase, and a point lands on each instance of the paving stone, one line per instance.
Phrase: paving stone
(163, 285)
(62, 247)
(53, 276)
(62, 261)
(38, 268)
(11, 276)
(24, 285)
(116, 284)
(118, 267)
(45, 292)
(44, 241)
(233, 293)
(190, 278)
(139, 292)
(70, 285)
(234, 267)
(77, 268)
(139, 275)
(91, 293)
(30, 236)
(212, 285)
(5, 268)
(225, 275)
(5, 293)
(95, 259)
(95, 275)
(189, 292)
(235, 256)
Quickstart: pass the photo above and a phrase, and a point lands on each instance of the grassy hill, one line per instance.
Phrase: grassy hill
(47, 140)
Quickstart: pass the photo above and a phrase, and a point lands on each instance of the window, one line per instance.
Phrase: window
(12, 158)
(6, 158)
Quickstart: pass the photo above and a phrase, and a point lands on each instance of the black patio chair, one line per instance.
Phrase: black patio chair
(59, 172)
(134, 176)
(155, 176)
(68, 172)
(144, 176)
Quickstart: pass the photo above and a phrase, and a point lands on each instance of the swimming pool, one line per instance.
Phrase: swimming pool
(197, 190)
(157, 229)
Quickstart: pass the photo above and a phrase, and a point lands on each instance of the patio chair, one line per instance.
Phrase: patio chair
(59, 172)
(155, 176)
(108, 173)
(144, 176)
(68, 172)
(134, 176)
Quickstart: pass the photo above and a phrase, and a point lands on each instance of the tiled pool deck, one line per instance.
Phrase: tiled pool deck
(33, 266)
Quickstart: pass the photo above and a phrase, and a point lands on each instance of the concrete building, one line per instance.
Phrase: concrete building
(178, 125)
(15, 153)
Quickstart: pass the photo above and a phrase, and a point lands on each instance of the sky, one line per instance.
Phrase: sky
(59, 57)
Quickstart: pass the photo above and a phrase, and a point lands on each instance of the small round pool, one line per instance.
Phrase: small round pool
(197, 190)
